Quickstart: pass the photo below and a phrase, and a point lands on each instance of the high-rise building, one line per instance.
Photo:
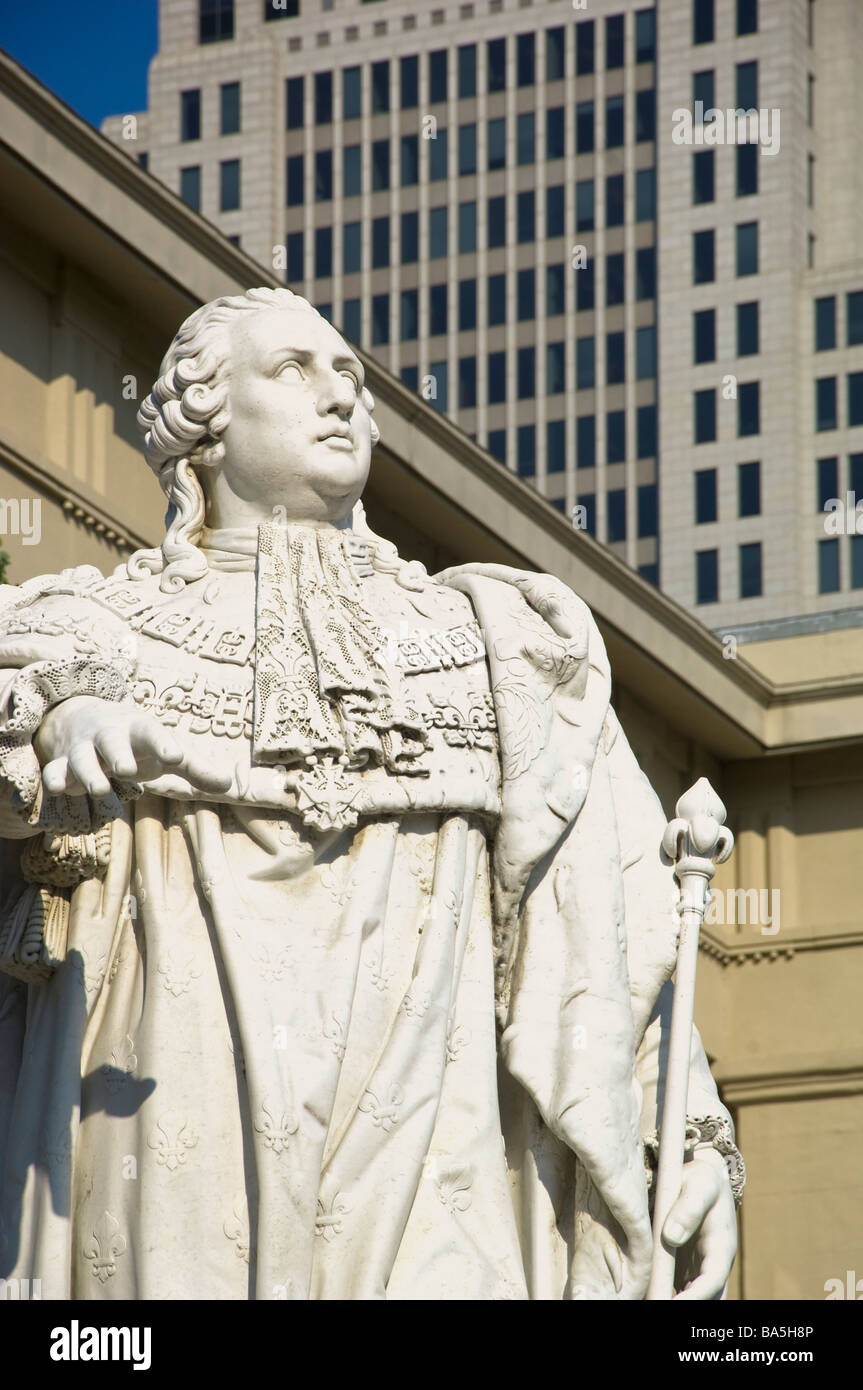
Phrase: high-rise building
(553, 221)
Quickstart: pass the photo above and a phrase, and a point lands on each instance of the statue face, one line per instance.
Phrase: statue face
(300, 436)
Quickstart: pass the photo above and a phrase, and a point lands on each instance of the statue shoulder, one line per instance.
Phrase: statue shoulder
(57, 617)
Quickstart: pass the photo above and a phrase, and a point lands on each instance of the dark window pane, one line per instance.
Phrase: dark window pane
(380, 87)
(748, 489)
(323, 176)
(352, 319)
(705, 416)
(749, 408)
(584, 47)
(585, 364)
(526, 216)
(645, 36)
(438, 157)
(215, 20)
(409, 82)
(706, 576)
(856, 544)
(497, 143)
(825, 403)
(352, 248)
(614, 279)
(526, 60)
(525, 440)
(747, 248)
(229, 99)
(380, 319)
(380, 242)
(555, 53)
(410, 377)
(614, 41)
(645, 114)
(466, 228)
(587, 520)
(437, 309)
(703, 257)
(555, 133)
(295, 180)
(584, 205)
(615, 436)
(294, 103)
(704, 335)
(747, 170)
(526, 294)
(585, 441)
(438, 75)
(855, 476)
(828, 566)
(616, 515)
(497, 221)
(615, 358)
(645, 429)
(614, 201)
(352, 174)
(747, 86)
(645, 195)
(467, 70)
(323, 98)
(466, 383)
(747, 17)
(855, 399)
(438, 238)
(828, 482)
(323, 252)
(526, 373)
(496, 378)
(467, 149)
(555, 446)
(555, 290)
(525, 141)
(295, 246)
(496, 58)
(648, 510)
(496, 300)
(352, 93)
(190, 114)
(750, 570)
(613, 121)
(380, 164)
(281, 9)
(702, 21)
(747, 329)
(705, 496)
(409, 160)
(645, 272)
(703, 88)
(854, 317)
(466, 305)
(645, 353)
(585, 287)
(825, 323)
(190, 186)
(702, 177)
(584, 136)
(409, 237)
(497, 444)
(555, 368)
(554, 211)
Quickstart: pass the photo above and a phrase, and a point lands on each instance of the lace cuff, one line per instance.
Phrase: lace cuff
(704, 1132)
(34, 691)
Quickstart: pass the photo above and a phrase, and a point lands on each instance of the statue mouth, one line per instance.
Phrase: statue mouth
(338, 439)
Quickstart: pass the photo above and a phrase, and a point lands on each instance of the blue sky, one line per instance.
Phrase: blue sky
(92, 53)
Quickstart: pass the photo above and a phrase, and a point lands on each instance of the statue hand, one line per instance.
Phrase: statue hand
(703, 1225)
(84, 738)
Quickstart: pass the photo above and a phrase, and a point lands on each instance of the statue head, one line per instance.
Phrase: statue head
(260, 409)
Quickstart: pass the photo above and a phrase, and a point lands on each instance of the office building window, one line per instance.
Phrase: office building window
(703, 257)
(747, 248)
(496, 300)
(615, 436)
(352, 93)
(497, 143)
(409, 160)
(496, 65)
(703, 176)
(352, 248)
(747, 86)
(854, 318)
(144, 161)
(645, 353)
(614, 41)
(438, 239)
(352, 172)
(555, 54)
(525, 60)
(825, 403)
(380, 165)
(190, 114)
(380, 87)
(555, 290)
(748, 329)
(825, 323)
(555, 133)
(587, 500)
(855, 399)
(614, 201)
(497, 445)
(497, 221)
(234, 239)
(323, 98)
(215, 20)
(856, 544)
(438, 76)
(466, 228)
(645, 114)
(703, 88)
(613, 122)
(584, 47)
(748, 408)
(747, 170)
(408, 82)
(585, 441)
(615, 358)
(229, 108)
(467, 70)
(648, 510)
(705, 416)
(323, 253)
(525, 138)
(438, 317)
(439, 375)
(323, 176)
(585, 364)
(585, 287)
(526, 216)
(525, 295)
(616, 515)
(705, 496)
(281, 9)
(704, 335)
(750, 569)
(295, 180)
(294, 115)
(584, 123)
(584, 205)
(296, 255)
(555, 446)
(466, 383)
(827, 487)
(645, 36)
(496, 378)
(828, 566)
(352, 322)
(706, 576)
(467, 149)
(526, 373)
(554, 211)
(645, 431)
(749, 489)
(438, 161)
(466, 305)
(702, 21)
(810, 180)
(190, 186)
(614, 279)
(380, 243)
(409, 237)
(645, 195)
(555, 369)
(747, 17)
(855, 475)
(645, 272)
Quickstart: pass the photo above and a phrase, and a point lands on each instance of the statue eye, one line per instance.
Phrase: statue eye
(352, 377)
(285, 366)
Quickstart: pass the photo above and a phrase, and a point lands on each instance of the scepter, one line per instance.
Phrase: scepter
(696, 840)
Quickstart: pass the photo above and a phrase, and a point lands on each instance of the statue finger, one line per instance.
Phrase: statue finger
(708, 1284)
(207, 778)
(115, 752)
(85, 766)
(55, 776)
(149, 740)
(698, 1194)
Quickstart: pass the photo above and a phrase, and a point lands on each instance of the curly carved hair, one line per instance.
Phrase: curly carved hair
(183, 420)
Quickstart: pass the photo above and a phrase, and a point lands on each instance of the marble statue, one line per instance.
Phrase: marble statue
(336, 933)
